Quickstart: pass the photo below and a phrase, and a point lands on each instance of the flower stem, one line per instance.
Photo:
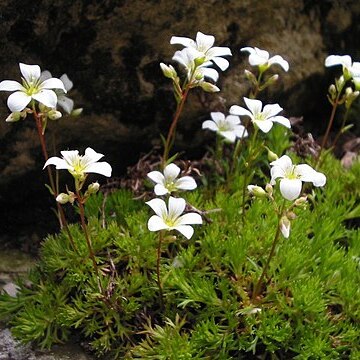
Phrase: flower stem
(61, 215)
(247, 169)
(271, 254)
(171, 132)
(158, 268)
(341, 128)
(327, 132)
(87, 237)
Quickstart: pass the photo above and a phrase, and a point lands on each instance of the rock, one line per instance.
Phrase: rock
(112, 51)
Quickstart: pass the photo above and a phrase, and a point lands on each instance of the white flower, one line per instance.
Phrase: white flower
(203, 48)
(32, 87)
(186, 58)
(63, 101)
(292, 176)
(170, 218)
(355, 74)
(229, 127)
(167, 183)
(262, 58)
(79, 165)
(263, 119)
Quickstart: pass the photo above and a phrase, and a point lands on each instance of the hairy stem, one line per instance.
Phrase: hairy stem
(172, 129)
(271, 254)
(61, 214)
(158, 268)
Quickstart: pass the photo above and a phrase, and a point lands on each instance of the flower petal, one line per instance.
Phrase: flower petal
(171, 171)
(282, 120)
(160, 189)
(253, 105)
(156, 223)
(30, 72)
(290, 188)
(217, 51)
(217, 116)
(186, 183)
(66, 103)
(58, 162)
(238, 110)
(176, 207)
(271, 110)
(158, 206)
(190, 218)
(210, 124)
(228, 135)
(46, 97)
(204, 42)
(102, 168)
(53, 83)
(68, 84)
(182, 41)
(233, 120)
(91, 155)
(277, 59)
(344, 60)
(222, 63)
(18, 101)
(308, 174)
(156, 176)
(284, 162)
(186, 230)
(10, 85)
(264, 125)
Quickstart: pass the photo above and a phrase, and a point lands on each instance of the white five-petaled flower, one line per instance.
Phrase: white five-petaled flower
(63, 101)
(203, 47)
(80, 165)
(171, 218)
(291, 177)
(263, 118)
(195, 73)
(262, 58)
(229, 127)
(350, 69)
(168, 182)
(32, 87)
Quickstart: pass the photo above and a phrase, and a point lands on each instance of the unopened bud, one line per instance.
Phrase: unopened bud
(285, 226)
(76, 112)
(13, 117)
(199, 61)
(250, 76)
(168, 71)
(54, 114)
(291, 215)
(272, 79)
(356, 80)
(256, 191)
(62, 198)
(269, 189)
(93, 188)
(271, 155)
(347, 74)
(198, 76)
(300, 201)
(350, 96)
(340, 82)
(208, 87)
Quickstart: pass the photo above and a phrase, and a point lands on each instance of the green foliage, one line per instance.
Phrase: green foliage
(308, 308)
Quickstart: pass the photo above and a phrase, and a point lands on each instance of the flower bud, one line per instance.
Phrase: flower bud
(250, 76)
(291, 215)
(13, 117)
(198, 76)
(269, 189)
(256, 191)
(93, 188)
(199, 61)
(285, 226)
(356, 80)
(271, 155)
(271, 80)
(300, 201)
(54, 114)
(76, 112)
(347, 74)
(62, 198)
(340, 82)
(332, 91)
(168, 71)
(208, 87)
